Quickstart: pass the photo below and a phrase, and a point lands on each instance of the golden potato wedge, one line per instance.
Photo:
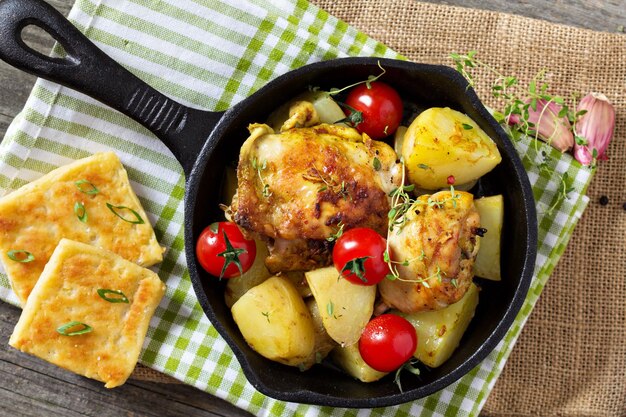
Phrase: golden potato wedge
(275, 322)
(345, 307)
(323, 342)
(491, 210)
(439, 332)
(441, 142)
(238, 286)
(299, 281)
(349, 359)
(398, 139)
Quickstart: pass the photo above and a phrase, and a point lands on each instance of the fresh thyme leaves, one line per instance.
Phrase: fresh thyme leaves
(411, 366)
(118, 211)
(231, 256)
(267, 315)
(454, 197)
(530, 111)
(20, 255)
(259, 167)
(86, 187)
(330, 308)
(401, 204)
(370, 79)
(565, 183)
(328, 183)
(112, 296)
(376, 163)
(80, 328)
(356, 267)
(336, 235)
(80, 211)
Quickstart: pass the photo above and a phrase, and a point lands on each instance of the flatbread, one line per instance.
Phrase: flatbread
(34, 218)
(67, 292)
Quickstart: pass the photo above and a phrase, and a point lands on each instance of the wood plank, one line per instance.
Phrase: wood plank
(600, 15)
(34, 387)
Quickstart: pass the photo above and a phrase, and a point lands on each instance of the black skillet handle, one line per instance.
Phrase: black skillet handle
(87, 69)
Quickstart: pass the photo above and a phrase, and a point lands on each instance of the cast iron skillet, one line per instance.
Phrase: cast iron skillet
(204, 142)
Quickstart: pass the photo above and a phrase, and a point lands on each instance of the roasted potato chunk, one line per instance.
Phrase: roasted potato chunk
(238, 286)
(442, 142)
(275, 322)
(345, 308)
(350, 360)
(491, 210)
(439, 332)
(323, 342)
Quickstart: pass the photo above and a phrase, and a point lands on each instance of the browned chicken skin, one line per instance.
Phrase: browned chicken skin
(295, 189)
(439, 244)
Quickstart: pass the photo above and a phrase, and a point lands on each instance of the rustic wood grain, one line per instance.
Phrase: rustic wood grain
(31, 387)
(600, 15)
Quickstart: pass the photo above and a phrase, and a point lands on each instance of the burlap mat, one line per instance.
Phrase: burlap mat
(571, 356)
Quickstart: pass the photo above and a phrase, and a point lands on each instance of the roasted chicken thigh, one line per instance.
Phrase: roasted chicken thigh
(296, 188)
(435, 250)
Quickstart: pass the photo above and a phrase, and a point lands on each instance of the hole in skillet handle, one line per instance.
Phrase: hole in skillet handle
(40, 41)
(18, 16)
(428, 85)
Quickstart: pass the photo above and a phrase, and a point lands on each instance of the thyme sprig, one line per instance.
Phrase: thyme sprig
(328, 183)
(260, 166)
(401, 204)
(516, 101)
(370, 79)
(411, 366)
(337, 234)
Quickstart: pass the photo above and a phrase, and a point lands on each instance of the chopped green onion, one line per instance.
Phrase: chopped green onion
(85, 328)
(80, 211)
(118, 297)
(377, 164)
(116, 209)
(20, 255)
(89, 187)
(330, 308)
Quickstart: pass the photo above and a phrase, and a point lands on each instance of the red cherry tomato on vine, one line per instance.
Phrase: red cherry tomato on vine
(381, 108)
(223, 251)
(359, 256)
(387, 342)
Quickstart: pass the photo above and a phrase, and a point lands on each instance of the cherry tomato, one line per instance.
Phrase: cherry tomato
(223, 251)
(381, 108)
(387, 342)
(359, 256)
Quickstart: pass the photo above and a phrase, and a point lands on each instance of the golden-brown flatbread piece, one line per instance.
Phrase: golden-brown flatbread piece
(89, 200)
(106, 337)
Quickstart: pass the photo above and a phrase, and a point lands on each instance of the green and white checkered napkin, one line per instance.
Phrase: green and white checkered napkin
(211, 54)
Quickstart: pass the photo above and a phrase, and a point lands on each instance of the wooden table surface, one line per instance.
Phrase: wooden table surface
(31, 387)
